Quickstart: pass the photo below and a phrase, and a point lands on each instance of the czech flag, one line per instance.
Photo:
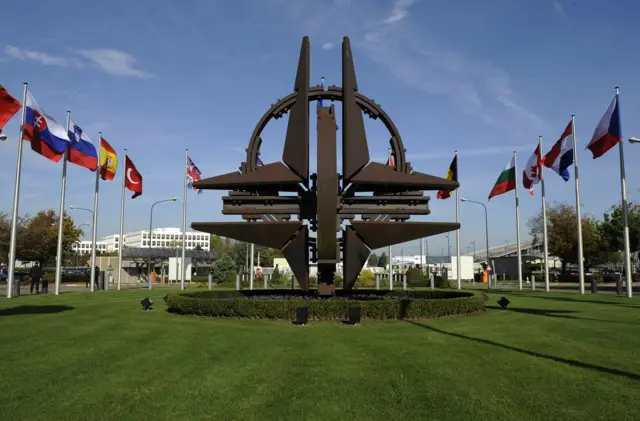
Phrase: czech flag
(81, 150)
(609, 131)
(47, 136)
(108, 160)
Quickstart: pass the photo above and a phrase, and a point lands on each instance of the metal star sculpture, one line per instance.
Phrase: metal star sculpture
(266, 196)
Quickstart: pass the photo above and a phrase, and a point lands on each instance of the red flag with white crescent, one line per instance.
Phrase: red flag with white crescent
(133, 179)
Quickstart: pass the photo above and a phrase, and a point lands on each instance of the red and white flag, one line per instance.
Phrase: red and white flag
(133, 179)
(532, 172)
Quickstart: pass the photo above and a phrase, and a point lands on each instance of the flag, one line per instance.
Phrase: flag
(47, 136)
(133, 180)
(532, 171)
(391, 161)
(609, 131)
(259, 162)
(81, 150)
(193, 174)
(560, 157)
(506, 181)
(452, 174)
(108, 160)
(8, 107)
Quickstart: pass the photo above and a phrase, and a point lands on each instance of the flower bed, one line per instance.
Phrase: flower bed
(282, 304)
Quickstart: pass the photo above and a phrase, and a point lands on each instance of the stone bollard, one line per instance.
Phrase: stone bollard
(238, 282)
(377, 281)
(210, 279)
(293, 282)
(533, 282)
(404, 281)
(266, 280)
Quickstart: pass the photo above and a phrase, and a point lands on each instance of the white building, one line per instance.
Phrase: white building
(161, 238)
(84, 247)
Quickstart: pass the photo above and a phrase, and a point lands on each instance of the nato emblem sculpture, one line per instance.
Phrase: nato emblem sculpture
(368, 204)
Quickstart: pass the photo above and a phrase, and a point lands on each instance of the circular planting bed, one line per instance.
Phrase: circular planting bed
(282, 304)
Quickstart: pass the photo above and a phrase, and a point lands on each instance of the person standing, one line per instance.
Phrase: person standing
(35, 273)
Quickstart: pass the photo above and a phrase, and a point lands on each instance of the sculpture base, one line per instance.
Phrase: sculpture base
(325, 289)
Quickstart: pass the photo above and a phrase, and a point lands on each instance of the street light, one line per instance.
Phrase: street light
(634, 140)
(486, 222)
(3, 137)
(474, 250)
(173, 199)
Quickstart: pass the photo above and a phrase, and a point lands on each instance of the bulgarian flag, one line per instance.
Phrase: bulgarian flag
(507, 180)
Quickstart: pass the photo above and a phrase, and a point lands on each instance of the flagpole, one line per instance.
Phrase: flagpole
(63, 188)
(121, 237)
(515, 166)
(544, 224)
(16, 196)
(94, 233)
(459, 266)
(183, 275)
(625, 216)
(578, 210)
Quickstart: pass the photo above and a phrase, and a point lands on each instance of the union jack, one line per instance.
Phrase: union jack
(193, 174)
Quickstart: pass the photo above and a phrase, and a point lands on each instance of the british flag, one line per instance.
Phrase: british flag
(193, 174)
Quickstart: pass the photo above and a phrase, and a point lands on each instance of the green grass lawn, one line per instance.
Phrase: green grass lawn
(83, 356)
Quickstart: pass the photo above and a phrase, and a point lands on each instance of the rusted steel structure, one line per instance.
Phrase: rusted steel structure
(327, 203)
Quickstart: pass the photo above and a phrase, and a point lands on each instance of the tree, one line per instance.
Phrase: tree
(39, 239)
(562, 236)
(383, 261)
(611, 229)
(373, 260)
(5, 235)
(223, 268)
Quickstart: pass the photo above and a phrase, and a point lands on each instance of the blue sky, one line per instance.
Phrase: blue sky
(485, 78)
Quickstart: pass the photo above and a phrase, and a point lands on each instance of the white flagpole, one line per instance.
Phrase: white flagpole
(625, 217)
(515, 167)
(94, 233)
(578, 210)
(121, 237)
(545, 240)
(458, 265)
(183, 275)
(251, 269)
(63, 188)
(16, 197)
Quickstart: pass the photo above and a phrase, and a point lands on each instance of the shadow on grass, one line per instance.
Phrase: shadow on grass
(573, 363)
(15, 311)
(563, 314)
(572, 300)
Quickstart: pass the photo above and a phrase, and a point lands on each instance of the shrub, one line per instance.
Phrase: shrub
(366, 279)
(282, 304)
(222, 268)
(415, 278)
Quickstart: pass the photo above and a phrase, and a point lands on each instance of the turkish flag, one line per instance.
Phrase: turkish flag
(133, 179)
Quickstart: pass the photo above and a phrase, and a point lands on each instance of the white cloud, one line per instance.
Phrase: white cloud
(114, 62)
(420, 60)
(400, 10)
(557, 6)
(328, 45)
(40, 57)
(110, 61)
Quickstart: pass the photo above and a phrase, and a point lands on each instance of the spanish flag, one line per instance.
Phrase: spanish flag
(452, 174)
(108, 160)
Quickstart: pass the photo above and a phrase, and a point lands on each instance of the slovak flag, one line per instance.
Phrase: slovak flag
(193, 174)
(81, 150)
(47, 136)
(560, 157)
(609, 131)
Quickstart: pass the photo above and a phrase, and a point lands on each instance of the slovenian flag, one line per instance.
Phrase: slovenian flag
(560, 157)
(81, 151)
(47, 136)
(609, 131)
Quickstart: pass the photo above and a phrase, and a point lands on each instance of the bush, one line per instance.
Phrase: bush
(366, 279)
(282, 304)
(415, 278)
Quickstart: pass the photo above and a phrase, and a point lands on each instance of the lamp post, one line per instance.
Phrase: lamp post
(473, 243)
(486, 223)
(92, 272)
(634, 140)
(173, 199)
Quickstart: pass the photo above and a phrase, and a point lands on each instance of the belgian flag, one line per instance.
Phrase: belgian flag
(452, 174)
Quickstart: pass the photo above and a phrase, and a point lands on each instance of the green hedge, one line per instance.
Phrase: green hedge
(373, 305)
